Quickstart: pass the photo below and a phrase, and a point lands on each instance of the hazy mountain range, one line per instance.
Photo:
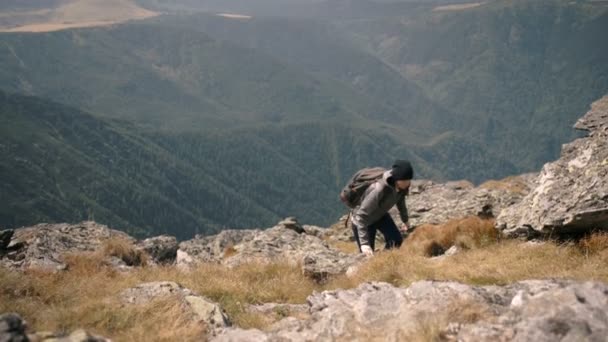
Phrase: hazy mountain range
(189, 122)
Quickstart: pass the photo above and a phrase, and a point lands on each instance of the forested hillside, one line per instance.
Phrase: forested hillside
(193, 122)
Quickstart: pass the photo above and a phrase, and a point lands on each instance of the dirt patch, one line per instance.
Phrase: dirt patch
(76, 14)
(234, 16)
(458, 7)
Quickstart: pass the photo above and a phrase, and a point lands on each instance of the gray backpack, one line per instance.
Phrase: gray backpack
(353, 192)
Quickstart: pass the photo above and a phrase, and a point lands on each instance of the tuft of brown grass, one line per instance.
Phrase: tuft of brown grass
(124, 250)
(594, 243)
(512, 184)
(467, 233)
(349, 247)
(493, 264)
(229, 251)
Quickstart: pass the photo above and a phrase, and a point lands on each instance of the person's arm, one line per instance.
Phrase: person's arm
(369, 205)
(403, 213)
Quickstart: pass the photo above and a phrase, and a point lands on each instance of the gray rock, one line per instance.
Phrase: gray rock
(572, 192)
(162, 249)
(42, 246)
(212, 248)
(276, 244)
(430, 203)
(292, 223)
(322, 265)
(201, 308)
(12, 328)
(5, 239)
(437, 203)
(79, 335)
(315, 230)
(273, 308)
(545, 310)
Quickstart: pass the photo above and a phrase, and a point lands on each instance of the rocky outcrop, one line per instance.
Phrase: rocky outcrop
(162, 249)
(437, 203)
(281, 243)
(43, 246)
(14, 329)
(431, 203)
(530, 310)
(572, 192)
(200, 308)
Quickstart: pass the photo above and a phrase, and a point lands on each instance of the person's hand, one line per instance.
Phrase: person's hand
(404, 228)
(367, 250)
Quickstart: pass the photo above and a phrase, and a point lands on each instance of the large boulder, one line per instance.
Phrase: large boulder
(572, 192)
(544, 310)
(198, 307)
(43, 246)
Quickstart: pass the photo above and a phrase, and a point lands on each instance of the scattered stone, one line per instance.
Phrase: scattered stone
(12, 328)
(43, 246)
(76, 336)
(292, 223)
(201, 308)
(162, 249)
(280, 310)
(212, 248)
(323, 265)
(430, 203)
(572, 192)
(315, 231)
(276, 244)
(543, 310)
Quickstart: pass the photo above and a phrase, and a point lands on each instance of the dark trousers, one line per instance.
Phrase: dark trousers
(387, 227)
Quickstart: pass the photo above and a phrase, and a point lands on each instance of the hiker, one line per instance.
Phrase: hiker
(372, 213)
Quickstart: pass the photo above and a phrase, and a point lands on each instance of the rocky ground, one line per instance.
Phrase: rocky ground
(568, 197)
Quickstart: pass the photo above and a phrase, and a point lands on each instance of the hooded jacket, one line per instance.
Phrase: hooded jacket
(378, 199)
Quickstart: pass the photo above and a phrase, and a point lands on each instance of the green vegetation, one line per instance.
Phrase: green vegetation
(192, 123)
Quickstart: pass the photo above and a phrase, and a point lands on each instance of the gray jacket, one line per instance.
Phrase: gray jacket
(378, 199)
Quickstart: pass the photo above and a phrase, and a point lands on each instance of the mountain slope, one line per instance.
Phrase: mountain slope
(60, 164)
(517, 72)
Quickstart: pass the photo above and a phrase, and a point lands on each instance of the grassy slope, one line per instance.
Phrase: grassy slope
(73, 299)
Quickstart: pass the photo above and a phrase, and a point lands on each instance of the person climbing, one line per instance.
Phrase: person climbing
(384, 189)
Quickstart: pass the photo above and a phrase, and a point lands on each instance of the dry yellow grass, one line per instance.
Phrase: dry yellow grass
(124, 250)
(594, 243)
(85, 295)
(513, 183)
(470, 232)
(349, 247)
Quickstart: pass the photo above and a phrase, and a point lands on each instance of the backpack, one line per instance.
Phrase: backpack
(353, 192)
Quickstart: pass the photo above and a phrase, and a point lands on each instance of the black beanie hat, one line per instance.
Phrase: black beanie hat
(402, 170)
